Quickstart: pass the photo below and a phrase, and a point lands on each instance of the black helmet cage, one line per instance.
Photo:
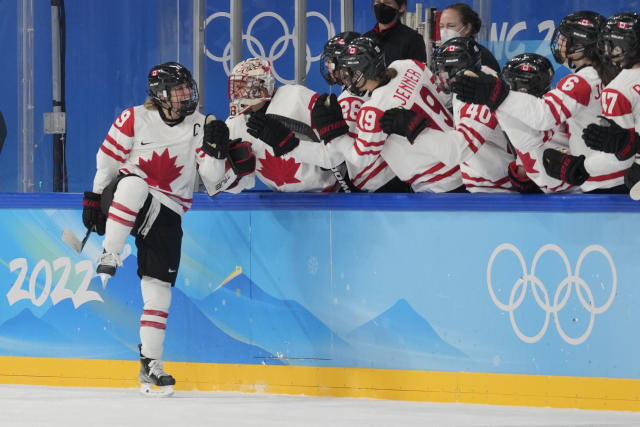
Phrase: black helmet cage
(362, 60)
(528, 72)
(333, 47)
(580, 31)
(162, 78)
(620, 38)
(453, 57)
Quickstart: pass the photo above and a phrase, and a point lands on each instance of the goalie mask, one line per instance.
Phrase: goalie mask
(619, 40)
(250, 82)
(362, 60)
(528, 72)
(332, 48)
(172, 88)
(453, 57)
(576, 33)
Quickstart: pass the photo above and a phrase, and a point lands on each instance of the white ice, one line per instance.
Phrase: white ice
(39, 406)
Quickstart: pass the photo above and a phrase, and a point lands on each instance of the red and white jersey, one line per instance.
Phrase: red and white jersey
(621, 103)
(292, 172)
(412, 88)
(576, 102)
(167, 157)
(530, 145)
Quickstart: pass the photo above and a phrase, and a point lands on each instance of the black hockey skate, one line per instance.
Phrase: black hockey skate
(153, 379)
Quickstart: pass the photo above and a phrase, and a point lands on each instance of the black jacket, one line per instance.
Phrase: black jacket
(488, 59)
(399, 42)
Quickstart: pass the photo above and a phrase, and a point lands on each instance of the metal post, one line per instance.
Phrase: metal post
(25, 97)
(198, 49)
(236, 32)
(346, 15)
(300, 42)
(55, 123)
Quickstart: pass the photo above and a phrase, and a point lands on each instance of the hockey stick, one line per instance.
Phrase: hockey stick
(74, 243)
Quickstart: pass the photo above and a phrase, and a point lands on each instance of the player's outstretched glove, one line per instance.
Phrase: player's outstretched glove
(403, 122)
(632, 176)
(522, 184)
(215, 141)
(480, 88)
(92, 215)
(272, 132)
(565, 167)
(241, 158)
(327, 119)
(612, 138)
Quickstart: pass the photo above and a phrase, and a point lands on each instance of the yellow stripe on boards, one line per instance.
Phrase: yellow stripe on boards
(432, 386)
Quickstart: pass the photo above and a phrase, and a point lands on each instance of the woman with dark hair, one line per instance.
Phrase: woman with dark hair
(459, 20)
(396, 39)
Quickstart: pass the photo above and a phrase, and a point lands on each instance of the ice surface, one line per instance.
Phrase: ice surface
(41, 406)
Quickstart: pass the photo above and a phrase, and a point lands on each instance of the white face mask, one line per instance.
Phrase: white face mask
(448, 34)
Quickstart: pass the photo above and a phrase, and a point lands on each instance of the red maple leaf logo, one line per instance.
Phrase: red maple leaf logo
(527, 162)
(279, 170)
(161, 170)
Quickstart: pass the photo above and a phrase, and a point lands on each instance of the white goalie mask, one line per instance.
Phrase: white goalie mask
(250, 82)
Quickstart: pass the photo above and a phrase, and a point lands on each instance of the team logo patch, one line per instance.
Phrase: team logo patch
(525, 67)
(451, 48)
(154, 73)
(352, 50)
(623, 25)
(584, 22)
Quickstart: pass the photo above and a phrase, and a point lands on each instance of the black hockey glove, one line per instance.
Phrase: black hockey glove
(272, 132)
(92, 215)
(564, 167)
(403, 122)
(521, 184)
(241, 158)
(612, 138)
(480, 89)
(327, 119)
(216, 137)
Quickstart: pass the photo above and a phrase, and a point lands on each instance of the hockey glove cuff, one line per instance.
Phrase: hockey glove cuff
(92, 215)
(480, 89)
(610, 137)
(521, 184)
(272, 132)
(327, 119)
(403, 122)
(565, 167)
(216, 137)
(241, 158)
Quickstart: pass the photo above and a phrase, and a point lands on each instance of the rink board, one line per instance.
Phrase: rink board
(453, 298)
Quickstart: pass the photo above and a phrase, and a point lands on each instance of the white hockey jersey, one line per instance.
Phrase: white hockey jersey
(292, 172)
(621, 103)
(576, 102)
(167, 157)
(412, 88)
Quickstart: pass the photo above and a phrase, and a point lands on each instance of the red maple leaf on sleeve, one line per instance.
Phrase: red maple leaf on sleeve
(279, 170)
(161, 170)
(527, 162)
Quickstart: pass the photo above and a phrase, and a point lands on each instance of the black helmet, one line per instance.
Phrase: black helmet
(363, 59)
(162, 78)
(453, 56)
(332, 48)
(580, 32)
(528, 72)
(620, 38)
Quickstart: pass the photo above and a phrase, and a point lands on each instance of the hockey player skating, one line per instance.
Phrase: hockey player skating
(619, 42)
(575, 102)
(146, 174)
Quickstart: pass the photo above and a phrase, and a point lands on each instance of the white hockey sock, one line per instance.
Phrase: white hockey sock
(128, 199)
(156, 295)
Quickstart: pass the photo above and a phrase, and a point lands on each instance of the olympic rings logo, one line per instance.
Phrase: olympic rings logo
(278, 48)
(562, 293)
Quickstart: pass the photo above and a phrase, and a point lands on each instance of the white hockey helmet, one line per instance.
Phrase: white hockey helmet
(250, 82)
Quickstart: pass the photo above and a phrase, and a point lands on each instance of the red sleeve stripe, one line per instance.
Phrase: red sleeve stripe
(445, 175)
(116, 145)
(375, 172)
(120, 220)
(313, 101)
(477, 135)
(156, 313)
(123, 208)
(111, 154)
(364, 171)
(480, 179)
(565, 110)
(370, 143)
(470, 143)
(431, 170)
(352, 134)
(553, 110)
(363, 153)
(607, 177)
(151, 324)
